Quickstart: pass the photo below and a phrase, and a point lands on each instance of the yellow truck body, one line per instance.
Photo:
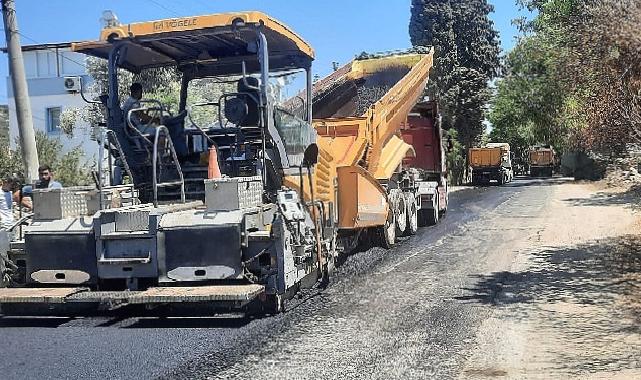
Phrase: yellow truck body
(485, 157)
(542, 161)
(360, 144)
(491, 163)
(542, 157)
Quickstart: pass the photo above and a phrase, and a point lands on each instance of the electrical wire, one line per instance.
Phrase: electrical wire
(159, 5)
(50, 49)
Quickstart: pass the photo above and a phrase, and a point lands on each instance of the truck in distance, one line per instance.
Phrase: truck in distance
(542, 161)
(492, 162)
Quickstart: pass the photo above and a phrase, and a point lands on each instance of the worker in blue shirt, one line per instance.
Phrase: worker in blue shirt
(45, 181)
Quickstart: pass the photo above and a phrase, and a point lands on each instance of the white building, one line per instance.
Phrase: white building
(46, 66)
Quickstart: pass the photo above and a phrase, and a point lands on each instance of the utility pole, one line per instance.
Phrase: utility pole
(20, 91)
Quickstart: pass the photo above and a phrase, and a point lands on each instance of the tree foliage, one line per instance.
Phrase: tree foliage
(466, 58)
(162, 84)
(70, 168)
(527, 109)
(574, 79)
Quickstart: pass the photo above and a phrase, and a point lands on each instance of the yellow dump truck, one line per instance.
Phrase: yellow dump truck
(490, 163)
(542, 161)
(361, 116)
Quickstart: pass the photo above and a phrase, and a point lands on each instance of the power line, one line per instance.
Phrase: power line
(205, 4)
(50, 49)
(164, 7)
(59, 54)
(172, 11)
(53, 50)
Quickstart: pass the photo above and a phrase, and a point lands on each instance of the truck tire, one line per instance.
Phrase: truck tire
(447, 202)
(412, 215)
(274, 304)
(3, 274)
(430, 217)
(401, 214)
(422, 217)
(387, 233)
(433, 217)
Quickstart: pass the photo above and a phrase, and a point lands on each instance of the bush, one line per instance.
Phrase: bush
(69, 168)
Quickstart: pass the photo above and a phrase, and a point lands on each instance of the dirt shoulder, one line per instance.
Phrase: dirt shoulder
(570, 303)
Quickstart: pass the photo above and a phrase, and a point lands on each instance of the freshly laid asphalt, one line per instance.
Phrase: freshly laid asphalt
(396, 313)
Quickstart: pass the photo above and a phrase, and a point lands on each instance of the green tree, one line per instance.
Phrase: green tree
(162, 84)
(574, 79)
(466, 59)
(529, 104)
(70, 167)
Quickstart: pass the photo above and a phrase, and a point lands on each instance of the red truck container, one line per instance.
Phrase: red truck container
(428, 165)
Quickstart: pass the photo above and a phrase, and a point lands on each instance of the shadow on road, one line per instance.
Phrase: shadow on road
(581, 305)
(629, 198)
(49, 322)
(189, 323)
(539, 181)
(126, 321)
(601, 268)
(523, 181)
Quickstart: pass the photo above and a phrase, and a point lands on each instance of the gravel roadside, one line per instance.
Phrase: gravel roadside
(570, 304)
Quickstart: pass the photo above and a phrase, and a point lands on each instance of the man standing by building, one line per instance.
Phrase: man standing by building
(6, 221)
(6, 203)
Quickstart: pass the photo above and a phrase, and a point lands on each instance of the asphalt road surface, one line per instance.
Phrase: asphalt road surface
(415, 311)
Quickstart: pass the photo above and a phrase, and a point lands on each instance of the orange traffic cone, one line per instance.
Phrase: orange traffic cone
(213, 171)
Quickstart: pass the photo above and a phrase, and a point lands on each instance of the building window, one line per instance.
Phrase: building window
(53, 119)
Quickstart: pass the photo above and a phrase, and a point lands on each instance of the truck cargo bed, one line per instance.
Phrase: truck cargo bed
(359, 112)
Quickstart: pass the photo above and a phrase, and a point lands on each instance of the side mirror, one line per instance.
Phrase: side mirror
(310, 157)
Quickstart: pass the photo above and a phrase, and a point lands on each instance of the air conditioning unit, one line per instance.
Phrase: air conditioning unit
(72, 84)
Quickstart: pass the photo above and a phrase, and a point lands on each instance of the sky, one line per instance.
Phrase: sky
(337, 29)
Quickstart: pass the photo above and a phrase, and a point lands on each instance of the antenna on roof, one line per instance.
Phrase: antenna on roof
(109, 19)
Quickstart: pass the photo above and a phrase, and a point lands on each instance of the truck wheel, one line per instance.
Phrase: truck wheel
(412, 216)
(401, 215)
(274, 304)
(387, 232)
(333, 253)
(447, 202)
(432, 216)
(422, 217)
(4, 276)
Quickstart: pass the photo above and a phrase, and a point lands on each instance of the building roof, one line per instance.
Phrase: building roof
(216, 44)
(55, 45)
